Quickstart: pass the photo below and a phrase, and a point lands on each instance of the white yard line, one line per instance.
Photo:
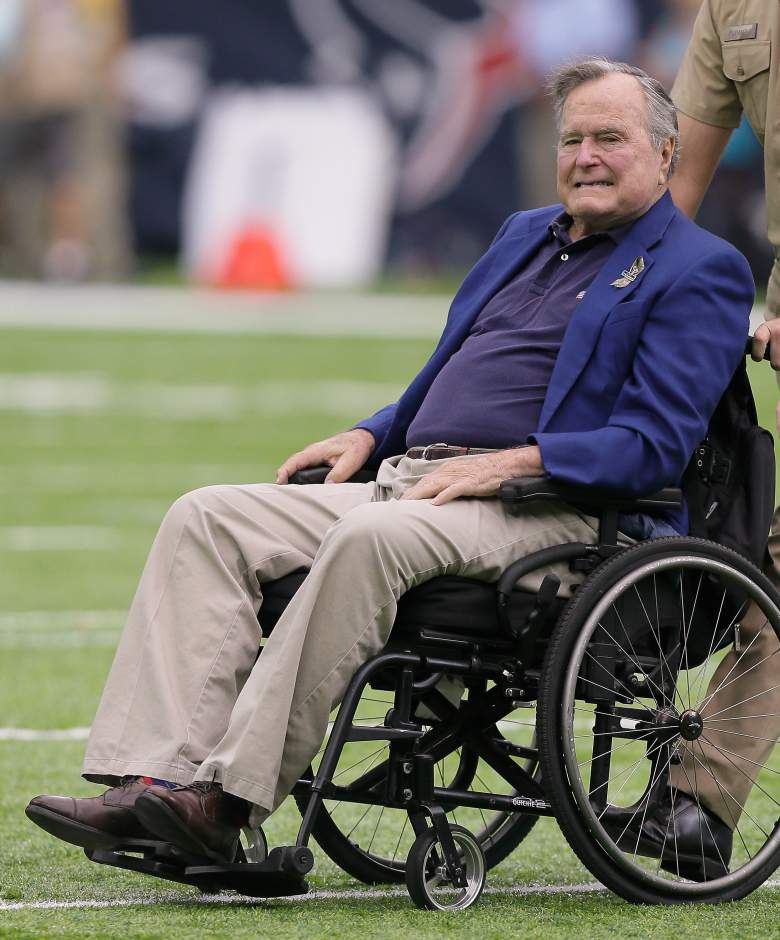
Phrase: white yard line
(38, 734)
(241, 900)
(61, 619)
(63, 538)
(183, 310)
(83, 479)
(48, 393)
(81, 734)
(348, 895)
(60, 629)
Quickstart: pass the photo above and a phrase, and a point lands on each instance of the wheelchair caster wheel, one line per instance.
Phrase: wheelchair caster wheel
(427, 880)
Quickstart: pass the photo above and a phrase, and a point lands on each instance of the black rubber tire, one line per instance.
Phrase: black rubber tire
(416, 862)
(550, 718)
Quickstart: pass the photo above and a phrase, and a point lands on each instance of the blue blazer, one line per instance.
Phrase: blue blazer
(641, 367)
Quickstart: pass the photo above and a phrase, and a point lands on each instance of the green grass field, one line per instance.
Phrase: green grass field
(101, 431)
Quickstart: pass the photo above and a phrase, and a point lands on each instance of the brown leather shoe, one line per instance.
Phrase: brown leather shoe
(200, 819)
(97, 822)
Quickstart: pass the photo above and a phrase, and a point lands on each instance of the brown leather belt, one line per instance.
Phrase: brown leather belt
(442, 451)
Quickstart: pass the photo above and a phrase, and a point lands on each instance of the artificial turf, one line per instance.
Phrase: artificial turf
(85, 479)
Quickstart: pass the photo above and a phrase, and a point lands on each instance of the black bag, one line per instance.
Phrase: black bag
(729, 484)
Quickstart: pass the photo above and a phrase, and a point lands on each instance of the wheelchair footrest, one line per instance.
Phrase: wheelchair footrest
(279, 875)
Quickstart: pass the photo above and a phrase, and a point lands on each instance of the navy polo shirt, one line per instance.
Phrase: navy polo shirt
(490, 392)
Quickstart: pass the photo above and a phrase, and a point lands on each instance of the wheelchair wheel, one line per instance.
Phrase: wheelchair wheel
(372, 842)
(653, 704)
(426, 874)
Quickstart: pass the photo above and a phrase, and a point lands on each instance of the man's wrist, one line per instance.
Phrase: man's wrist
(367, 435)
(525, 461)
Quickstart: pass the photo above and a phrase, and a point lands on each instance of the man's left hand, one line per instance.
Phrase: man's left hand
(476, 476)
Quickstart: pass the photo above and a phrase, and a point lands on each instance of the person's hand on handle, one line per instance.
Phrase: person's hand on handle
(346, 453)
(767, 334)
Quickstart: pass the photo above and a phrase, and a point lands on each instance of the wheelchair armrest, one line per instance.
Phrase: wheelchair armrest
(530, 489)
(318, 474)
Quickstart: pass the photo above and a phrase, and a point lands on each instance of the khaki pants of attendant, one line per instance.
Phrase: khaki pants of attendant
(726, 764)
(188, 698)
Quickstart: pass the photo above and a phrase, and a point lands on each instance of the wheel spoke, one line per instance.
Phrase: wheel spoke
(615, 750)
(400, 836)
(373, 834)
(744, 734)
(635, 660)
(598, 685)
(713, 644)
(725, 751)
(702, 817)
(710, 719)
(685, 637)
(744, 701)
(723, 683)
(362, 761)
(654, 777)
(732, 797)
(657, 636)
(726, 803)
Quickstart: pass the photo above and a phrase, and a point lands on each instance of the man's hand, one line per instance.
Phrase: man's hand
(476, 476)
(345, 452)
(768, 332)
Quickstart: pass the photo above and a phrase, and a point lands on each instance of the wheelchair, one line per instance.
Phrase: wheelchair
(492, 706)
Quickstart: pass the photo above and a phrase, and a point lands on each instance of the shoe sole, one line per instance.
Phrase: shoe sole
(77, 833)
(159, 818)
(690, 866)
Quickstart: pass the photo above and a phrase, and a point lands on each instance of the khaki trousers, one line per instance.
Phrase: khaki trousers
(187, 696)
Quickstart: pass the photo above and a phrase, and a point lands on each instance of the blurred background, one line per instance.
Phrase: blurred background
(296, 144)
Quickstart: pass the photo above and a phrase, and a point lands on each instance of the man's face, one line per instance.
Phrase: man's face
(608, 170)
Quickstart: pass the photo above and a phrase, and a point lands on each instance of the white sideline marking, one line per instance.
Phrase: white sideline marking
(67, 619)
(349, 895)
(81, 734)
(242, 900)
(44, 734)
(58, 629)
(40, 538)
(54, 393)
(185, 310)
(78, 477)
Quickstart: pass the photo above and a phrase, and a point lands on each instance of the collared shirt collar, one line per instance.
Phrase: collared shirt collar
(559, 229)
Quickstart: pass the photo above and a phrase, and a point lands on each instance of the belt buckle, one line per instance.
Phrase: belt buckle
(428, 451)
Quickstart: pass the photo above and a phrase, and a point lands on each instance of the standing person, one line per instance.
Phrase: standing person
(731, 66)
(62, 192)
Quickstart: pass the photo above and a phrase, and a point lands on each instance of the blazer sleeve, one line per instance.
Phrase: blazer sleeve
(691, 343)
(379, 422)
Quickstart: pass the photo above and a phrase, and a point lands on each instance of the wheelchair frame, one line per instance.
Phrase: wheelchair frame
(409, 783)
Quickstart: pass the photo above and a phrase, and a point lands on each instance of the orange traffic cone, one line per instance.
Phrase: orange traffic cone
(254, 262)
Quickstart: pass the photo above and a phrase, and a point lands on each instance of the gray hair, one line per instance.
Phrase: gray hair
(661, 117)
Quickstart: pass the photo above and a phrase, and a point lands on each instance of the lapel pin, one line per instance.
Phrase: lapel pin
(629, 276)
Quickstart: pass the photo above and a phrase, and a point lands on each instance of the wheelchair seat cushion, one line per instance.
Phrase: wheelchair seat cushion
(448, 604)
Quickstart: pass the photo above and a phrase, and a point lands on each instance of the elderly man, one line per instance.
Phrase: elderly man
(567, 352)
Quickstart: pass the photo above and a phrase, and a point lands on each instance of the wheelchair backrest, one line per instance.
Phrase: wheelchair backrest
(729, 484)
